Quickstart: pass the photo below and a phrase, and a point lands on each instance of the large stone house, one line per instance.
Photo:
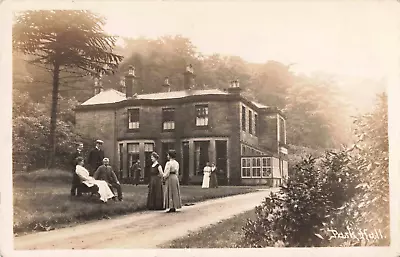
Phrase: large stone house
(245, 139)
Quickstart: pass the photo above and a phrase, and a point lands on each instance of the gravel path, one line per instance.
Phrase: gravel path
(144, 229)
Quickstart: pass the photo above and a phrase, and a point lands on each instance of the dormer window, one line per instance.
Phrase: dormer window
(133, 118)
(201, 115)
(168, 119)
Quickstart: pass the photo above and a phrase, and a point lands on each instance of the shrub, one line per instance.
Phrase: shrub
(348, 189)
(31, 124)
(298, 211)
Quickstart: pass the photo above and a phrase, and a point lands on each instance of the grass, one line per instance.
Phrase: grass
(42, 198)
(224, 234)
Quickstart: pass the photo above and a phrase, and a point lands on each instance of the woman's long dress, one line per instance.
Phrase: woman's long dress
(172, 193)
(155, 197)
(213, 178)
(104, 190)
(206, 177)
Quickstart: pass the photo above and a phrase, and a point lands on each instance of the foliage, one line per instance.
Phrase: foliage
(64, 41)
(342, 190)
(318, 115)
(295, 214)
(30, 133)
(370, 157)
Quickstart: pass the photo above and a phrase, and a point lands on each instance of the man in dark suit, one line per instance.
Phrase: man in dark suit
(95, 158)
(105, 172)
(75, 178)
(136, 172)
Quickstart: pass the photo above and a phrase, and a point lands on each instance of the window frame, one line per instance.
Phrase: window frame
(170, 120)
(206, 116)
(135, 122)
(250, 122)
(243, 118)
(246, 167)
(256, 167)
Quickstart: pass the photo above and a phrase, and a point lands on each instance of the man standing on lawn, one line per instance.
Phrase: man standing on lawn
(76, 181)
(135, 172)
(105, 172)
(96, 156)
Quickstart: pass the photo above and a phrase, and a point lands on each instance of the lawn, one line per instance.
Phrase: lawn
(224, 234)
(42, 199)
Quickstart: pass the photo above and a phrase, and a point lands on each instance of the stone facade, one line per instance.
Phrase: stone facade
(242, 146)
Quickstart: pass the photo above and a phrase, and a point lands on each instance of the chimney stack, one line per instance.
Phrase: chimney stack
(189, 76)
(122, 84)
(234, 87)
(130, 82)
(166, 85)
(98, 85)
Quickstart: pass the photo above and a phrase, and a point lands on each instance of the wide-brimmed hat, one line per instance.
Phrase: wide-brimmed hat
(99, 141)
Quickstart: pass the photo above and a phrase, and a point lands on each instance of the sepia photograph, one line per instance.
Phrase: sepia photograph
(189, 125)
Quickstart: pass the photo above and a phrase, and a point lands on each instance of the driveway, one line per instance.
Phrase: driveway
(144, 229)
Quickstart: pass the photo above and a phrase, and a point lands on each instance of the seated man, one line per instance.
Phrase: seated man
(105, 172)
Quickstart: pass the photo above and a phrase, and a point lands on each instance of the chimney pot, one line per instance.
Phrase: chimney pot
(98, 85)
(131, 70)
(130, 82)
(234, 87)
(166, 85)
(189, 76)
(122, 84)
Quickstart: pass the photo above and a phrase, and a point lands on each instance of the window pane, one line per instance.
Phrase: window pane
(133, 148)
(250, 122)
(133, 115)
(148, 147)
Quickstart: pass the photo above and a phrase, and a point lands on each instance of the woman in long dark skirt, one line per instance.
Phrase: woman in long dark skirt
(213, 177)
(172, 197)
(155, 197)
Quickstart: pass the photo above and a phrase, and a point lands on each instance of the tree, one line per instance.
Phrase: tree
(344, 191)
(64, 41)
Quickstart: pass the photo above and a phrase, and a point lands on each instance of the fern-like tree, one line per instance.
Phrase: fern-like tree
(64, 42)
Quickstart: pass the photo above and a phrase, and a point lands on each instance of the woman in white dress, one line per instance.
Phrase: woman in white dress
(206, 176)
(104, 191)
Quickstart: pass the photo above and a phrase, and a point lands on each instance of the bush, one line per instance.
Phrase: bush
(293, 216)
(348, 189)
(31, 123)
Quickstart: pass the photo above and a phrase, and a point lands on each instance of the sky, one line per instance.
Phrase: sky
(355, 39)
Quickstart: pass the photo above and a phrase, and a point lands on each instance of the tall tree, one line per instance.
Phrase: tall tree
(66, 41)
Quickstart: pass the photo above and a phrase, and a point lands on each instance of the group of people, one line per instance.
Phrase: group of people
(210, 176)
(164, 189)
(100, 179)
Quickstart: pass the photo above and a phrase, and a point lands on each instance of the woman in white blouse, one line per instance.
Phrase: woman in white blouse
(172, 194)
(104, 191)
(206, 176)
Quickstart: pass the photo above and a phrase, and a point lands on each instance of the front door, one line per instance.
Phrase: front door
(222, 161)
(201, 156)
(185, 163)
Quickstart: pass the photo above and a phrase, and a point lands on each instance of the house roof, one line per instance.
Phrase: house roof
(180, 94)
(106, 97)
(111, 96)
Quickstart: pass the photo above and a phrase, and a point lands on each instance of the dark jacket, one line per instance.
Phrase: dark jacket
(95, 158)
(106, 173)
(73, 159)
